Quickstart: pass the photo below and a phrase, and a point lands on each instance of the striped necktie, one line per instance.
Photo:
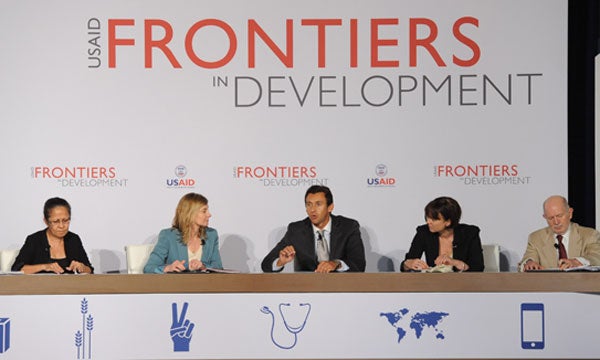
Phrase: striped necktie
(322, 253)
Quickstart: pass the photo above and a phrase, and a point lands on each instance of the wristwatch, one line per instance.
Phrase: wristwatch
(338, 264)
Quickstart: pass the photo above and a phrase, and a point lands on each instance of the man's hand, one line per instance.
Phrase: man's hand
(532, 265)
(286, 255)
(568, 263)
(327, 266)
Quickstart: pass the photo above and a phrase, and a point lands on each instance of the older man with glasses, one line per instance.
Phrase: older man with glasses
(562, 244)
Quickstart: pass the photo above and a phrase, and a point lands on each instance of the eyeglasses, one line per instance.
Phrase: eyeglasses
(559, 217)
(59, 222)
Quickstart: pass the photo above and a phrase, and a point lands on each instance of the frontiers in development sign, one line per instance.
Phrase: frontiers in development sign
(483, 174)
(80, 176)
(404, 61)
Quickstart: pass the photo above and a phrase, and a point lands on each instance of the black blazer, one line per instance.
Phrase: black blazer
(466, 246)
(36, 250)
(345, 244)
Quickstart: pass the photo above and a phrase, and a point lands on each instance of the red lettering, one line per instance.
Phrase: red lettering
(425, 43)
(113, 42)
(70, 172)
(161, 44)
(272, 172)
(304, 172)
(467, 41)
(353, 43)
(286, 58)
(376, 42)
(321, 24)
(422, 34)
(189, 48)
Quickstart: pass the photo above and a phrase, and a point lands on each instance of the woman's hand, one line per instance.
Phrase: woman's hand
(447, 260)
(176, 266)
(444, 260)
(53, 267)
(79, 268)
(196, 265)
(415, 264)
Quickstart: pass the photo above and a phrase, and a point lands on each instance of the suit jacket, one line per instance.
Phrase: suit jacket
(583, 242)
(169, 248)
(466, 246)
(36, 250)
(345, 244)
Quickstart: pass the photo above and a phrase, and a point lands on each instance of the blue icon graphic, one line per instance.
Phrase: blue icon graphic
(181, 329)
(87, 324)
(418, 322)
(4, 334)
(532, 326)
(293, 320)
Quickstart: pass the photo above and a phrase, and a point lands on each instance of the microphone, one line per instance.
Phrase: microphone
(556, 246)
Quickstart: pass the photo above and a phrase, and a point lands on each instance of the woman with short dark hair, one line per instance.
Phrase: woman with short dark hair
(54, 249)
(447, 244)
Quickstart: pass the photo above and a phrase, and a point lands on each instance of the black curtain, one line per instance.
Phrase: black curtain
(583, 47)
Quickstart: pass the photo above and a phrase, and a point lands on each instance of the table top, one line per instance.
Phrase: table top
(298, 282)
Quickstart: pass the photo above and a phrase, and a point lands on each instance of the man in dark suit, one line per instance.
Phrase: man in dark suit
(322, 242)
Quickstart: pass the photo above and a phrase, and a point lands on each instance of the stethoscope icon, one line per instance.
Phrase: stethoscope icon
(294, 330)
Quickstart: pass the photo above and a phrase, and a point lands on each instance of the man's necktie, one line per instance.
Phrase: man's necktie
(562, 252)
(322, 253)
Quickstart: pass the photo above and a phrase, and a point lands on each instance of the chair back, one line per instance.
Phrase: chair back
(137, 257)
(7, 258)
(491, 258)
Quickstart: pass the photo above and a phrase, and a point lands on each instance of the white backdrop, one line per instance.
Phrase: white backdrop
(136, 126)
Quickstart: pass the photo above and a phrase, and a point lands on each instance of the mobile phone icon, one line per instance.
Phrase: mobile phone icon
(532, 326)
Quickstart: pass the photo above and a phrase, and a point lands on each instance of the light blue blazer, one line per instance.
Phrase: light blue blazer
(170, 248)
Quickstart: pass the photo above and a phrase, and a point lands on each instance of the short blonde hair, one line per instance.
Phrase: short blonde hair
(184, 215)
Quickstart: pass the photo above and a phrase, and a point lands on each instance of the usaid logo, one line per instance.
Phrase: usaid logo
(181, 181)
(381, 179)
(381, 170)
(180, 171)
